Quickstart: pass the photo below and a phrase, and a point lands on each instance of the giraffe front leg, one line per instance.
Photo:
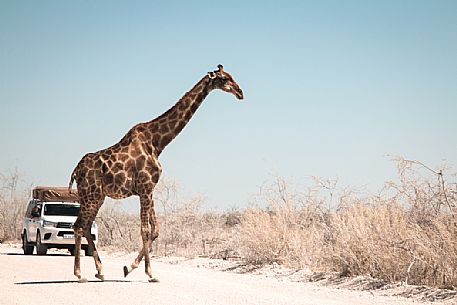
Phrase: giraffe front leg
(153, 234)
(135, 264)
(154, 223)
(148, 233)
(146, 205)
(138, 259)
(77, 266)
(144, 252)
(145, 234)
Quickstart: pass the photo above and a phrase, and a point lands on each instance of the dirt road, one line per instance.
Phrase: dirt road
(49, 280)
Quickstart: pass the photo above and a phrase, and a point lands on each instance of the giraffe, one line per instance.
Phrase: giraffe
(131, 167)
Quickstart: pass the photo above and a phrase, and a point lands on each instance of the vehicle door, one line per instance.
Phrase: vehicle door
(27, 222)
(35, 218)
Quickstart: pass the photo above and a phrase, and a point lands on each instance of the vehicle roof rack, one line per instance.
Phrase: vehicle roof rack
(55, 194)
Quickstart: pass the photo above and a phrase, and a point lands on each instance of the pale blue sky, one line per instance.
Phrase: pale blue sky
(331, 87)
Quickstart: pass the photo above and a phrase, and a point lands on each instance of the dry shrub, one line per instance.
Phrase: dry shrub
(287, 231)
(263, 238)
(408, 232)
(117, 229)
(386, 242)
(368, 239)
(13, 201)
(195, 234)
(184, 230)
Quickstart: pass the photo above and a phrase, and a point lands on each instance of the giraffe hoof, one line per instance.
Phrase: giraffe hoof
(153, 280)
(126, 271)
(82, 280)
(101, 277)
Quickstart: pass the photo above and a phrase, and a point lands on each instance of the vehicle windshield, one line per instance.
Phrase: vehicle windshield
(61, 210)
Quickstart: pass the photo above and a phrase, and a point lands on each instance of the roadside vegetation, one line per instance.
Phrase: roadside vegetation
(406, 232)
(13, 201)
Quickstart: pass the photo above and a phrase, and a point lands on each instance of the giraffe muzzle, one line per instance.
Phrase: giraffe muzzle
(239, 94)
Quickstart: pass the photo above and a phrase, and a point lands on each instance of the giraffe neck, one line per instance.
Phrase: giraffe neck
(168, 125)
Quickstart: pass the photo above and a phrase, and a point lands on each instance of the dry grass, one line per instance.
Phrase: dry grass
(184, 229)
(12, 206)
(407, 232)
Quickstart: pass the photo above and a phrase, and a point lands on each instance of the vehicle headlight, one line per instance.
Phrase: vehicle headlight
(49, 224)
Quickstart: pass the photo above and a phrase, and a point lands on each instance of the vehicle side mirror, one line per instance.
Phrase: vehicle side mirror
(35, 214)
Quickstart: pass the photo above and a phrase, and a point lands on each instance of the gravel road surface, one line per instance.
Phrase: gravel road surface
(49, 280)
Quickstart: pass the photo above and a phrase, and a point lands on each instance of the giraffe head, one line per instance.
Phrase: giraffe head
(224, 81)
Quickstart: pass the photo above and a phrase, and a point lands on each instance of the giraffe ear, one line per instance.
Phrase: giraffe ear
(220, 67)
(212, 75)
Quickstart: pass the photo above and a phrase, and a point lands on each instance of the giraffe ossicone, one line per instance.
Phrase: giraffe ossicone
(131, 167)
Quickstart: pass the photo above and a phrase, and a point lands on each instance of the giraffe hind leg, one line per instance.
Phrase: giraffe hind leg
(98, 262)
(81, 227)
(77, 266)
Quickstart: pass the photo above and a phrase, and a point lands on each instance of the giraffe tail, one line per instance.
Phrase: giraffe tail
(72, 178)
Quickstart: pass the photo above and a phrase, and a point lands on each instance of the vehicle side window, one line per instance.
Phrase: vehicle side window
(31, 205)
(36, 211)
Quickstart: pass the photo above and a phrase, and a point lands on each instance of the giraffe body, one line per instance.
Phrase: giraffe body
(131, 167)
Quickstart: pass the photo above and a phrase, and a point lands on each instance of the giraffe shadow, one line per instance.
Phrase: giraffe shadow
(72, 282)
(49, 254)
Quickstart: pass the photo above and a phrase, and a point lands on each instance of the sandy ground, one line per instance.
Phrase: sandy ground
(49, 280)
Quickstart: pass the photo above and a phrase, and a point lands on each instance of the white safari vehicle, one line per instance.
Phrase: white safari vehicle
(48, 221)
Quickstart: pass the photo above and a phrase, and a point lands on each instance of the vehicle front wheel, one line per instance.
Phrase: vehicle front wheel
(40, 248)
(28, 248)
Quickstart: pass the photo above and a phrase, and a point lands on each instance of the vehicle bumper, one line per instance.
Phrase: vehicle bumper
(61, 236)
